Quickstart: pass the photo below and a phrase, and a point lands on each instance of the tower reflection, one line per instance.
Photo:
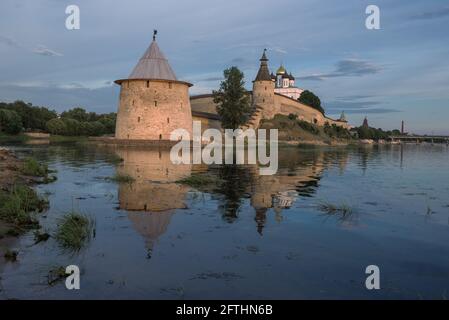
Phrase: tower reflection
(154, 194)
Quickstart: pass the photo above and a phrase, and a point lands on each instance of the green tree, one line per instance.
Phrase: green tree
(33, 117)
(108, 121)
(56, 126)
(73, 127)
(309, 98)
(10, 121)
(78, 114)
(232, 99)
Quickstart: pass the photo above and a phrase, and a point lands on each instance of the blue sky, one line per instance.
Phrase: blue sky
(400, 72)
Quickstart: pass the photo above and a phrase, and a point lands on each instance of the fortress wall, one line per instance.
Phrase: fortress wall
(203, 103)
(304, 112)
(151, 110)
(282, 105)
(207, 123)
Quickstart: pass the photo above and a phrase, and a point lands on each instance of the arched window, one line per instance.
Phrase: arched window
(155, 103)
(148, 84)
(160, 137)
(168, 120)
(138, 119)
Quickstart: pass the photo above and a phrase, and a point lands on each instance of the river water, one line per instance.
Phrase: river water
(244, 236)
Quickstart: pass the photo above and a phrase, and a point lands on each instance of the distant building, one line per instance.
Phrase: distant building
(285, 83)
(365, 123)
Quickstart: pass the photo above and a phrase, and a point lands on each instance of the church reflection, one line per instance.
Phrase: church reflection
(153, 197)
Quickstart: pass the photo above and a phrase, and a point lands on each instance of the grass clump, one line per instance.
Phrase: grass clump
(11, 255)
(18, 205)
(40, 237)
(74, 231)
(56, 274)
(31, 167)
(344, 211)
(122, 178)
(197, 181)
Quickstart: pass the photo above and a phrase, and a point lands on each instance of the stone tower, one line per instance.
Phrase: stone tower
(153, 102)
(263, 90)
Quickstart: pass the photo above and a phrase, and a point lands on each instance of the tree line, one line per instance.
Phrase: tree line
(365, 132)
(19, 116)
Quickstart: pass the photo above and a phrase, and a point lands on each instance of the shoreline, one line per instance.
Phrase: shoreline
(12, 175)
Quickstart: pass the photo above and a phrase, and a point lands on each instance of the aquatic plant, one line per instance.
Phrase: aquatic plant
(40, 236)
(197, 180)
(115, 159)
(343, 210)
(31, 167)
(56, 274)
(18, 205)
(122, 178)
(74, 230)
(11, 255)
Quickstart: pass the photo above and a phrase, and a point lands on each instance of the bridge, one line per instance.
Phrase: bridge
(418, 139)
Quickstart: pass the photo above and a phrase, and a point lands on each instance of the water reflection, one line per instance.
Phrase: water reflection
(153, 191)
(154, 188)
(156, 191)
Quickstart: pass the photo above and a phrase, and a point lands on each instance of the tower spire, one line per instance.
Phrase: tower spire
(264, 73)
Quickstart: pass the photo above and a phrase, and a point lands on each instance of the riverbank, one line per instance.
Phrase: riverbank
(18, 201)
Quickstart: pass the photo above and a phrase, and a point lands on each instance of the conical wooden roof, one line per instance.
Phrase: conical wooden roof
(153, 65)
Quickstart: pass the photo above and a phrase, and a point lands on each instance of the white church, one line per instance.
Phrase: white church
(285, 83)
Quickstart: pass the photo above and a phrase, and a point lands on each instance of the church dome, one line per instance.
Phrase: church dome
(281, 70)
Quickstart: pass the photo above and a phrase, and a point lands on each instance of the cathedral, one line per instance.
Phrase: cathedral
(285, 83)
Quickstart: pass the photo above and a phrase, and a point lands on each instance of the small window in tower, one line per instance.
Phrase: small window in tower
(138, 119)
(133, 102)
(148, 84)
(160, 137)
(168, 120)
(181, 104)
(169, 85)
(155, 103)
(263, 100)
(265, 88)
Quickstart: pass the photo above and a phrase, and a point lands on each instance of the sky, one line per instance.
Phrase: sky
(399, 72)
